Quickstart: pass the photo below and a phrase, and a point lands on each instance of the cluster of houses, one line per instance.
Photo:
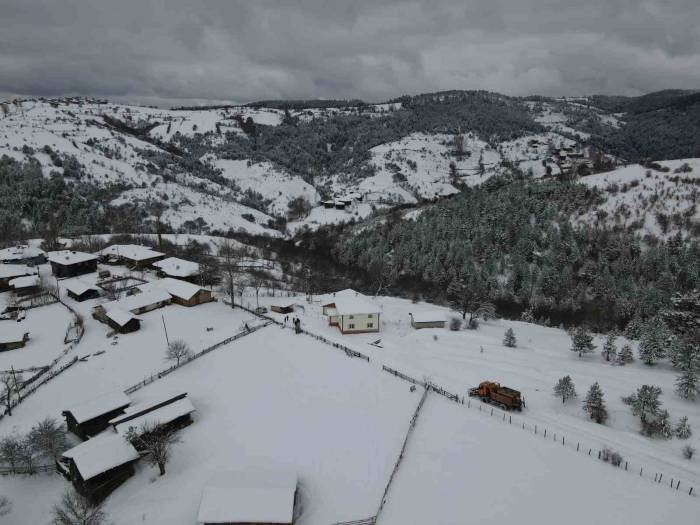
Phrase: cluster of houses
(342, 203)
(19, 274)
(110, 427)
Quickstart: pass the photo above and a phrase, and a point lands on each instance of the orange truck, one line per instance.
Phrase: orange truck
(501, 396)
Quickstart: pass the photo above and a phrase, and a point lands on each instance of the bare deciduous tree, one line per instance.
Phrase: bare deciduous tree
(178, 350)
(76, 509)
(10, 448)
(48, 437)
(5, 506)
(229, 267)
(10, 383)
(156, 441)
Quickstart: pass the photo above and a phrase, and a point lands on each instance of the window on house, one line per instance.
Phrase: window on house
(370, 316)
(370, 325)
(351, 316)
(351, 326)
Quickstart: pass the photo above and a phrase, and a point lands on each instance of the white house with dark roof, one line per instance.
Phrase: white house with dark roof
(351, 312)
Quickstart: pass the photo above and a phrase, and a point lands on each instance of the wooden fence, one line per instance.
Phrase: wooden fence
(163, 373)
(23, 469)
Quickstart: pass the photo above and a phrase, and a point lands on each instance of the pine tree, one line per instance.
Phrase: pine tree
(645, 404)
(655, 341)
(661, 426)
(634, 328)
(509, 339)
(582, 342)
(609, 348)
(682, 429)
(594, 404)
(688, 362)
(625, 356)
(565, 389)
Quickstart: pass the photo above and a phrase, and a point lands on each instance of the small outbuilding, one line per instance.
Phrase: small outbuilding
(92, 417)
(80, 291)
(68, 263)
(99, 465)
(427, 320)
(22, 254)
(132, 255)
(178, 268)
(249, 497)
(27, 285)
(12, 337)
(351, 312)
(138, 303)
(171, 415)
(282, 308)
(122, 321)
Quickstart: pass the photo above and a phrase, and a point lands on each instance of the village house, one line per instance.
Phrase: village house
(169, 413)
(427, 320)
(80, 291)
(12, 337)
(181, 292)
(132, 255)
(250, 497)
(27, 285)
(178, 268)
(67, 263)
(283, 308)
(93, 417)
(351, 312)
(22, 255)
(121, 321)
(99, 465)
(9, 272)
(137, 303)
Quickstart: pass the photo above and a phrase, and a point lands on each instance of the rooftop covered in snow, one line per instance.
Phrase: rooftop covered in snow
(139, 300)
(427, 317)
(349, 302)
(131, 252)
(77, 286)
(12, 333)
(26, 281)
(147, 405)
(174, 287)
(159, 416)
(18, 253)
(176, 267)
(99, 405)
(101, 453)
(8, 271)
(249, 497)
(68, 257)
(119, 316)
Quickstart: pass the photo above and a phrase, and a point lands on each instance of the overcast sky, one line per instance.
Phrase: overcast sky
(179, 51)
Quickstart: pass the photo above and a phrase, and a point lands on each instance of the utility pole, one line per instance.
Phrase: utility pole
(165, 329)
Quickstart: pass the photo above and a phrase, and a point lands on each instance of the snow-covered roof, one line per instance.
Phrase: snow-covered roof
(15, 270)
(428, 317)
(12, 333)
(77, 286)
(119, 316)
(146, 405)
(350, 302)
(99, 405)
(67, 257)
(132, 252)
(174, 287)
(101, 453)
(159, 416)
(24, 282)
(18, 253)
(176, 267)
(139, 300)
(249, 497)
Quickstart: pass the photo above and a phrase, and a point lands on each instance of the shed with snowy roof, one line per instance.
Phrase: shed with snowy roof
(351, 312)
(26, 285)
(122, 321)
(133, 255)
(182, 292)
(80, 291)
(12, 337)
(93, 416)
(178, 268)
(99, 465)
(68, 263)
(261, 497)
(22, 254)
(9, 272)
(427, 320)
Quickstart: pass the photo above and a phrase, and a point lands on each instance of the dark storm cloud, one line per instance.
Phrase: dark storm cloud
(247, 50)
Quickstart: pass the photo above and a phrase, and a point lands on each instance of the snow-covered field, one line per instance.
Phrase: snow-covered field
(273, 399)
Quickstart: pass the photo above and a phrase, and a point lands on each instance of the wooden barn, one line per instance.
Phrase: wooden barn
(10, 272)
(93, 417)
(427, 320)
(67, 263)
(131, 255)
(12, 337)
(122, 321)
(181, 292)
(282, 308)
(139, 302)
(249, 497)
(22, 255)
(99, 465)
(80, 291)
(165, 412)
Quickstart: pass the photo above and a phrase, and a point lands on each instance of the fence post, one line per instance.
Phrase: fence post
(545, 432)
(660, 476)
(690, 492)
(577, 446)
